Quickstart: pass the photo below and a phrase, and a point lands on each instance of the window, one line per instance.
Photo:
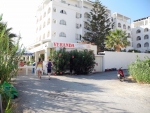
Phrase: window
(86, 15)
(129, 43)
(54, 21)
(78, 15)
(48, 10)
(36, 39)
(146, 37)
(138, 38)
(63, 1)
(37, 21)
(48, 21)
(128, 27)
(39, 38)
(63, 22)
(62, 34)
(44, 14)
(124, 26)
(146, 30)
(43, 24)
(54, 9)
(40, 18)
(78, 25)
(36, 29)
(54, 33)
(78, 37)
(48, 34)
(138, 31)
(119, 25)
(40, 27)
(146, 44)
(43, 36)
(138, 45)
(63, 12)
(129, 35)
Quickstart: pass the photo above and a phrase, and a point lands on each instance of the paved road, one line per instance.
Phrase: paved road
(96, 93)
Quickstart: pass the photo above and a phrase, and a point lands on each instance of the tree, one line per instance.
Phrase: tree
(7, 33)
(9, 57)
(99, 25)
(117, 40)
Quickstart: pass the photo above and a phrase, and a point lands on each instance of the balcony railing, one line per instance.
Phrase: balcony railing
(78, 37)
(78, 26)
(78, 15)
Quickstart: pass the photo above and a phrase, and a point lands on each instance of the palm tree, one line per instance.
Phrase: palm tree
(116, 39)
(7, 33)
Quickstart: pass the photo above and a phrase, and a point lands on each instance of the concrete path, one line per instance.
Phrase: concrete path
(96, 93)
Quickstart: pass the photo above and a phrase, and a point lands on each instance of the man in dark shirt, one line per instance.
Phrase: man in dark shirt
(71, 64)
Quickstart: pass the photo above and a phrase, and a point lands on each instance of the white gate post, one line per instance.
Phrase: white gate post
(1, 109)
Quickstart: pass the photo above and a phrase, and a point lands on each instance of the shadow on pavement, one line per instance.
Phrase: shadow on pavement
(62, 96)
(112, 75)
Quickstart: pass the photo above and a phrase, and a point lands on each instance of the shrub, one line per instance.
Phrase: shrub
(140, 70)
(83, 61)
(60, 60)
(136, 51)
(9, 57)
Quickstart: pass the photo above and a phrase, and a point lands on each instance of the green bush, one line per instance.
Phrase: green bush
(10, 55)
(60, 60)
(140, 70)
(83, 61)
(136, 51)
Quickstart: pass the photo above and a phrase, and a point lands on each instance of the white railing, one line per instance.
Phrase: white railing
(27, 68)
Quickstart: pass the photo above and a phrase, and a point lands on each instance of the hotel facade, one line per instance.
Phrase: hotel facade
(62, 23)
(141, 34)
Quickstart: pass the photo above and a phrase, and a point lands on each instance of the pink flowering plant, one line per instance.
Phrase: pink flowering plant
(82, 62)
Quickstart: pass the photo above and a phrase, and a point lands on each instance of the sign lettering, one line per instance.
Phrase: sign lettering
(71, 45)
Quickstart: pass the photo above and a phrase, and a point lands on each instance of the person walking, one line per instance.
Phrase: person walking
(71, 64)
(39, 67)
(49, 68)
(21, 64)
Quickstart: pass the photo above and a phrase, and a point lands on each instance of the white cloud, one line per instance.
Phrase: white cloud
(20, 15)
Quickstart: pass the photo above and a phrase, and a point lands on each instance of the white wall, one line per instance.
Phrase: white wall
(120, 59)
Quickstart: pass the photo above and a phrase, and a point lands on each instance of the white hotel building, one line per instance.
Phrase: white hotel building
(61, 23)
(141, 34)
(124, 23)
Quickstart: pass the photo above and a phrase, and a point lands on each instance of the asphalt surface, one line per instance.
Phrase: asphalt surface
(96, 93)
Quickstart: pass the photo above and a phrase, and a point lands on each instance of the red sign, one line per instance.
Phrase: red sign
(67, 45)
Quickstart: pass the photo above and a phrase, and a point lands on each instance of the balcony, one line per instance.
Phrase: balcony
(78, 37)
(78, 26)
(69, 4)
(78, 15)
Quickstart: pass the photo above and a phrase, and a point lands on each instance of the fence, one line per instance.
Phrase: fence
(26, 69)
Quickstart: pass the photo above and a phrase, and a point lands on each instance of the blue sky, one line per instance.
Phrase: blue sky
(134, 9)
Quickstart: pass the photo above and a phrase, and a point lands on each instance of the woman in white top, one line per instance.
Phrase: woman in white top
(39, 67)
